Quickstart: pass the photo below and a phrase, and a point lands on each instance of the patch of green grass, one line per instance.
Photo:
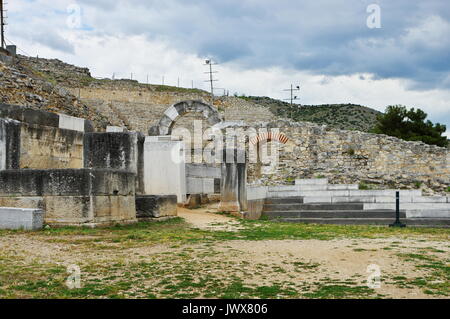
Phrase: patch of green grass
(363, 186)
(185, 272)
(437, 279)
(340, 291)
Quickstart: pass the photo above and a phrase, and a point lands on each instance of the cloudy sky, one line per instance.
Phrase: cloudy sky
(339, 51)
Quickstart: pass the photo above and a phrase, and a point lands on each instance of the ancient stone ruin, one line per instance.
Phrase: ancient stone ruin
(58, 170)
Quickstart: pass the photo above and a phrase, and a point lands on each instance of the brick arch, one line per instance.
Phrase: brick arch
(177, 110)
(269, 137)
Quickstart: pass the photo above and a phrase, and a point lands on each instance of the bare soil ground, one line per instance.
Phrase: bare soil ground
(180, 260)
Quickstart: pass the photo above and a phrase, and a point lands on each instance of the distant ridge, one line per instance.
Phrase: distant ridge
(341, 116)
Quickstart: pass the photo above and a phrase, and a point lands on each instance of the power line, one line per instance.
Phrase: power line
(293, 97)
(18, 48)
(211, 80)
(2, 25)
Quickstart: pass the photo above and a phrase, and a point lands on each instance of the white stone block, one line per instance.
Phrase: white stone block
(313, 181)
(2, 147)
(285, 188)
(172, 113)
(115, 129)
(194, 185)
(21, 218)
(392, 199)
(282, 194)
(428, 214)
(202, 170)
(71, 123)
(164, 167)
(208, 186)
(323, 193)
(256, 193)
(409, 206)
(317, 199)
(429, 199)
(307, 188)
(384, 192)
(343, 187)
(353, 199)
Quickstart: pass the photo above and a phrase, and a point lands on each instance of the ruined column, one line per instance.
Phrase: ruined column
(234, 181)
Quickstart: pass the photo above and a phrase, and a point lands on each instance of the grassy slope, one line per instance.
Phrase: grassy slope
(342, 116)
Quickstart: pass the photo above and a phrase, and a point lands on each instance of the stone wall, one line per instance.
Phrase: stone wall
(354, 157)
(138, 108)
(72, 197)
(39, 147)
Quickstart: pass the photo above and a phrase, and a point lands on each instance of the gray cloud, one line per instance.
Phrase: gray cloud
(323, 37)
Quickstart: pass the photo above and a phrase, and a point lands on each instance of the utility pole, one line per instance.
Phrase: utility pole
(293, 97)
(2, 25)
(211, 80)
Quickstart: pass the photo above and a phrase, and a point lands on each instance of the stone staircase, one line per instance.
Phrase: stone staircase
(316, 201)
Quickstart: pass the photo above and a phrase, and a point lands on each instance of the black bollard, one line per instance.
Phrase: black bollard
(397, 213)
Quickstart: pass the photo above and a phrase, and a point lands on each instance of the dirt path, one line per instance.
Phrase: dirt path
(205, 218)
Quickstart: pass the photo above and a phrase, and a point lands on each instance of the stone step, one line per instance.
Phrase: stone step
(408, 206)
(343, 187)
(301, 207)
(282, 194)
(313, 181)
(376, 199)
(287, 200)
(350, 214)
(428, 213)
(416, 222)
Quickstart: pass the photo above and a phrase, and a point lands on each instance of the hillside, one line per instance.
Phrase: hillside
(20, 85)
(341, 116)
(53, 85)
(135, 105)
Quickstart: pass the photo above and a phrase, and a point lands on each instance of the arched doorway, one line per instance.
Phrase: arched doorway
(267, 159)
(177, 110)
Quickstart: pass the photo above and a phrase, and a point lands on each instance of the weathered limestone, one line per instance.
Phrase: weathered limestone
(20, 218)
(149, 207)
(112, 151)
(234, 181)
(164, 167)
(44, 147)
(256, 197)
(166, 123)
(115, 129)
(39, 147)
(203, 179)
(73, 197)
(9, 144)
(43, 118)
(71, 123)
(351, 157)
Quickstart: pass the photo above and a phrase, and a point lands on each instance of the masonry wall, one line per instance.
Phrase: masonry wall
(138, 109)
(72, 196)
(44, 147)
(352, 157)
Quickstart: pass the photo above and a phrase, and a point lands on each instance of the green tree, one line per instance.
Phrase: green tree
(410, 125)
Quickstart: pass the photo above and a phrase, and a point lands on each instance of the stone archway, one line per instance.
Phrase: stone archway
(266, 159)
(177, 110)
